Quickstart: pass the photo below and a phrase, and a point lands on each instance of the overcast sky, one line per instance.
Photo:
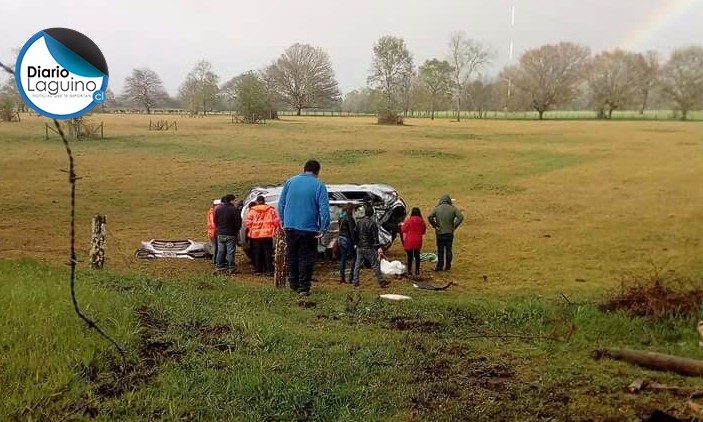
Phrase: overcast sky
(236, 36)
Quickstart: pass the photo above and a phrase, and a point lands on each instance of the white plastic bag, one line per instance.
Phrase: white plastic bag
(392, 267)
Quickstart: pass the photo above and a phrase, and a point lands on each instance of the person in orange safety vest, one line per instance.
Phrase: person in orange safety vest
(262, 223)
(211, 229)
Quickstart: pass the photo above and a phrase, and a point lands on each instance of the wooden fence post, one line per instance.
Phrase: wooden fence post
(279, 258)
(97, 242)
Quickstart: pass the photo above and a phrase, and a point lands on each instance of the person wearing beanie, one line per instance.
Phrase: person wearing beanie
(228, 221)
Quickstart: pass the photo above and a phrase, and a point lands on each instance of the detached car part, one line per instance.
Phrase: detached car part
(185, 249)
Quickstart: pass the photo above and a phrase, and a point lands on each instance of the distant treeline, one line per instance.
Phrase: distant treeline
(567, 77)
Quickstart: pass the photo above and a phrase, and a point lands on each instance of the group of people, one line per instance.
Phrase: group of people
(445, 218)
(303, 213)
(224, 223)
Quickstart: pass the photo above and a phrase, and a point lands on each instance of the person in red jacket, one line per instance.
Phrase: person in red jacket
(413, 230)
(262, 223)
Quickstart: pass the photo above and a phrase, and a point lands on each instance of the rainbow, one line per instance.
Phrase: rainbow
(668, 12)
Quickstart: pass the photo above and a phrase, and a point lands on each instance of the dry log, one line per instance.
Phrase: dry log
(656, 361)
(695, 408)
(637, 386)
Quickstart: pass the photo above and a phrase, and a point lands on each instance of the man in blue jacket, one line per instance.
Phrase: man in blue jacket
(304, 211)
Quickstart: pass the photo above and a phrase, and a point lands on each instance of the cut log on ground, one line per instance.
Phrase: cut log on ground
(656, 361)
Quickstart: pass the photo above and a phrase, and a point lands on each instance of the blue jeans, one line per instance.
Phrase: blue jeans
(444, 247)
(370, 256)
(346, 251)
(213, 241)
(226, 247)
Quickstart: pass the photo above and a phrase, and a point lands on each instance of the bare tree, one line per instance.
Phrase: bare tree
(682, 79)
(391, 71)
(550, 75)
(649, 75)
(110, 101)
(362, 100)
(436, 76)
(483, 95)
(467, 58)
(200, 88)
(614, 79)
(407, 89)
(228, 92)
(303, 78)
(145, 89)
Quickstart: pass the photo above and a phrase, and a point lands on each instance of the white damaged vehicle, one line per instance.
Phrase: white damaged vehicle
(388, 205)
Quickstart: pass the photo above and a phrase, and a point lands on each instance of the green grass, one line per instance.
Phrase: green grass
(209, 349)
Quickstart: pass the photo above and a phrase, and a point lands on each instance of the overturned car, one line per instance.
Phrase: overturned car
(389, 208)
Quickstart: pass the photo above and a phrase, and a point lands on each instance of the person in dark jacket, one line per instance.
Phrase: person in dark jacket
(445, 218)
(367, 246)
(304, 210)
(228, 221)
(413, 230)
(347, 226)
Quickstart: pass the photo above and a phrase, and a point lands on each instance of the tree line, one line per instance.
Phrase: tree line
(564, 76)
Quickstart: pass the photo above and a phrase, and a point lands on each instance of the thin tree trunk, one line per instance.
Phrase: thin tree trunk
(644, 101)
(541, 114)
(297, 113)
(458, 107)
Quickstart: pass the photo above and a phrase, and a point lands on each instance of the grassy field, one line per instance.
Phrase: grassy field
(551, 207)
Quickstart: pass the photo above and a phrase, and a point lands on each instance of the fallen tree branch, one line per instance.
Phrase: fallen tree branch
(639, 385)
(656, 361)
(695, 408)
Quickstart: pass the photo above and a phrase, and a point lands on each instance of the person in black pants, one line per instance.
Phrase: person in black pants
(228, 221)
(445, 218)
(414, 230)
(304, 210)
(347, 227)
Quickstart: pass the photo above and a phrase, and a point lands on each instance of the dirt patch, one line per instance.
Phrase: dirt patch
(656, 298)
(203, 285)
(84, 408)
(448, 382)
(116, 377)
(210, 332)
(150, 320)
(418, 325)
(307, 304)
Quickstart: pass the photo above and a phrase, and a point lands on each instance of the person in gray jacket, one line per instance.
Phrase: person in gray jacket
(367, 246)
(445, 218)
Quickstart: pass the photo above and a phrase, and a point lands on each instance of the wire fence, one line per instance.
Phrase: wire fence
(516, 115)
